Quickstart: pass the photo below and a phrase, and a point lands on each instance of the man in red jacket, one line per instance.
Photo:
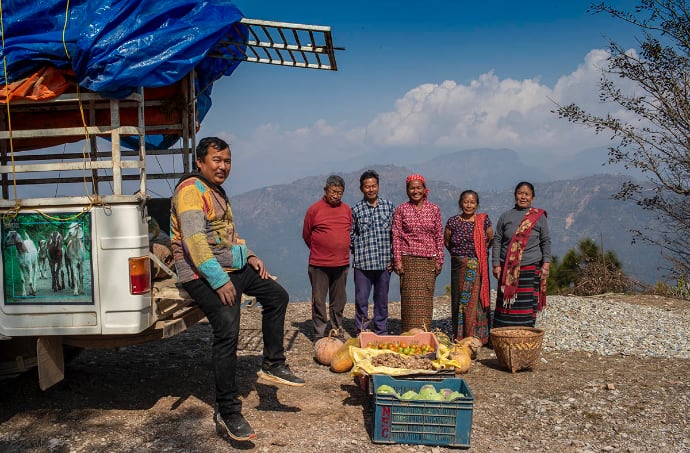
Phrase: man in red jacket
(326, 232)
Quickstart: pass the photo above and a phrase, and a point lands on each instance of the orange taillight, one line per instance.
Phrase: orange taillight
(140, 275)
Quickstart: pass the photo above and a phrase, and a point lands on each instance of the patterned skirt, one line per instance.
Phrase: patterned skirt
(417, 292)
(523, 311)
(469, 317)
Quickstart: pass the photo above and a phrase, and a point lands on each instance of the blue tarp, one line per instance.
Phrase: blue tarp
(115, 46)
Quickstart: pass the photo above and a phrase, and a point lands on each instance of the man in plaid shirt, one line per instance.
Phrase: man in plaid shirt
(372, 219)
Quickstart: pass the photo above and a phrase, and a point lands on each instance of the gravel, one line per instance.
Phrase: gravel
(604, 326)
(613, 378)
(607, 327)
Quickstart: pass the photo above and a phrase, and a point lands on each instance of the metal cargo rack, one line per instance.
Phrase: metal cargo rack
(28, 141)
(31, 132)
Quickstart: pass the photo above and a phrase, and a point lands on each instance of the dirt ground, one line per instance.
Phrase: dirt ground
(159, 397)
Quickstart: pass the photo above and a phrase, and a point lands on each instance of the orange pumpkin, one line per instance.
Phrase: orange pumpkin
(460, 355)
(471, 345)
(342, 361)
(326, 347)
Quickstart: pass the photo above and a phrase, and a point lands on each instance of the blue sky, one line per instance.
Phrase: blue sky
(415, 79)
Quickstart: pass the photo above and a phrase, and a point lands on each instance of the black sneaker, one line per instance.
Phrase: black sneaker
(282, 375)
(235, 426)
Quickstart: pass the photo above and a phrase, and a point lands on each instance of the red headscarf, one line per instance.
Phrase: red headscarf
(417, 177)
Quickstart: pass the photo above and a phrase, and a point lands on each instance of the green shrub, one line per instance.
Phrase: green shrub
(587, 271)
(681, 289)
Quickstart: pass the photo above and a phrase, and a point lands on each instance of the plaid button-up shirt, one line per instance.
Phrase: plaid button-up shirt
(370, 237)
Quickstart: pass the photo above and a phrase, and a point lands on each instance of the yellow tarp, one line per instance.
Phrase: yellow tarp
(361, 357)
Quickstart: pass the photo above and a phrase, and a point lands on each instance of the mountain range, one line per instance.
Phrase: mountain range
(270, 218)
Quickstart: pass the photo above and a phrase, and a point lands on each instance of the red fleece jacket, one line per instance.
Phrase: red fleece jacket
(326, 231)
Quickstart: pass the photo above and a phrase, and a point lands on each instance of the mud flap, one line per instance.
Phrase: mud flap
(51, 362)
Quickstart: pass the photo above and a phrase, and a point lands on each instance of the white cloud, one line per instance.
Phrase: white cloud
(495, 113)
(486, 112)
(272, 155)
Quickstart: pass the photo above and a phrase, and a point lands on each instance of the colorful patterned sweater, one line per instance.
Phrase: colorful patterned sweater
(203, 232)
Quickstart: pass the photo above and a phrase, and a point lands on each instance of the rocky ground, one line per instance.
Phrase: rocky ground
(613, 377)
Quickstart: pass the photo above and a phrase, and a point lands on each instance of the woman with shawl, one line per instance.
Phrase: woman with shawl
(417, 253)
(521, 257)
(468, 237)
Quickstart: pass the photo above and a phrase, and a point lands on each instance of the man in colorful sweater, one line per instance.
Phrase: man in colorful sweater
(326, 231)
(215, 267)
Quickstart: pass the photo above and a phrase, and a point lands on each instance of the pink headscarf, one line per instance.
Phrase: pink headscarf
(417, 177)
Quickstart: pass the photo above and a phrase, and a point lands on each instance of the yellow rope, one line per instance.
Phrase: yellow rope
(94, 199)
(72, 217)
(64, 30)
(12, 213)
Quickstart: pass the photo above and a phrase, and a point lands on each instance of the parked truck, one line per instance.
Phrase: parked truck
(78, 220)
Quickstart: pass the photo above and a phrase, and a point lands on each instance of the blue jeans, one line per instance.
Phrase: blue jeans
(225, 322)
(364, 280)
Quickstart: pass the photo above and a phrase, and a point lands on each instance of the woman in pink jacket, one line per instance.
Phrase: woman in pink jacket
(417, 253)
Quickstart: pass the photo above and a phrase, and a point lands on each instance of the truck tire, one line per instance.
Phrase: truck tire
(17, 356)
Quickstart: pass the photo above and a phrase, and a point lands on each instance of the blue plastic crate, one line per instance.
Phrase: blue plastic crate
(444, 423)
(366, 382)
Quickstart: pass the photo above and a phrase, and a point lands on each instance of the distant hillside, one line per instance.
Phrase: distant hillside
(271, 220)
(587, 162)
(481, 169)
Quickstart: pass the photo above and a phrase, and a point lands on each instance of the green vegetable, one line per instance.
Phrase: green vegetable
(450, 395)
(428, 392)
(409, 395)
(455, 395)
(386, 390)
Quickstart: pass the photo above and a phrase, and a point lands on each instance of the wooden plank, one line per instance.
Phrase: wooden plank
(101, 178)
(183, 320)
(168, 298)
(179, 325)
(19, 157)
(176, 310)
(67, 166)
(75, 97)
(69, 201)
(69, 132)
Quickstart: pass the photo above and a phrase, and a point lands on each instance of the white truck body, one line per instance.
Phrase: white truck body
(101, 307)
(107, 306)
(113, 301)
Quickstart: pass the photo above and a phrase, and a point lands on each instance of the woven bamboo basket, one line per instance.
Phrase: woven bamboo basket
(517, 348)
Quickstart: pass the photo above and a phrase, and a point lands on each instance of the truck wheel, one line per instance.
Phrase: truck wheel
(71, 352)
(17, 356)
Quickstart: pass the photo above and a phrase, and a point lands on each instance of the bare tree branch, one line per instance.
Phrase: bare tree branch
(658, 142)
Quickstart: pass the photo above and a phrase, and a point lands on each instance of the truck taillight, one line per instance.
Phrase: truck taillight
(140, 275)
